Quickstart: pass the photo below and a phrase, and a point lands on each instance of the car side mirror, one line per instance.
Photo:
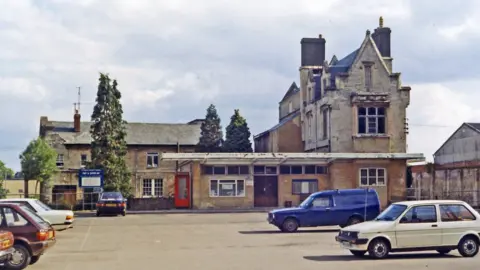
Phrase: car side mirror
(403, 220)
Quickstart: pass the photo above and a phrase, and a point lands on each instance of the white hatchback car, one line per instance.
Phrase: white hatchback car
(441, 225)
(54, 217)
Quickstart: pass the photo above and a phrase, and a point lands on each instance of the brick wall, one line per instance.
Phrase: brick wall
(285, 187)
(201, 192)
(290, 137)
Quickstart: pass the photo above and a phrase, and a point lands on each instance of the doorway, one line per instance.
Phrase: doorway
(265, 191)
(182, 191)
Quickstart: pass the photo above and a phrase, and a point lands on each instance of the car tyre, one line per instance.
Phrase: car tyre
(354, 220)
(378, 249)
(34, 259)
(124, 213)
(443, 251)
(468, 246)
(357, 253)
(98, 214)
(22, 254)
(290, 225)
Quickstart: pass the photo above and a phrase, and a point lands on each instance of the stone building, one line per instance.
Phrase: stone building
(286, 135)
(355, 104)
(145, 142)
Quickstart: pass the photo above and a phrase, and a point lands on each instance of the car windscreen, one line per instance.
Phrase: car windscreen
(392, 212)
(307, 201)
(33, 215)
(112, 196)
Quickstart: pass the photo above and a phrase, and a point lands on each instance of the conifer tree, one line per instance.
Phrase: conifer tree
(211, 136)
(238, 135)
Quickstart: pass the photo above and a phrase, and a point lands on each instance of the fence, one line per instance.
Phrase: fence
(446, 184)
(87, 201)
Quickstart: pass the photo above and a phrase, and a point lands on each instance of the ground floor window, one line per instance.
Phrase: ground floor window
(304, 186)
(373, 176)
(227, 188)
(152, 188)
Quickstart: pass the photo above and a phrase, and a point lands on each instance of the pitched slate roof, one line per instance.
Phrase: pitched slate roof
(137, 133)
(281, 123)
(474, 126)
(344, 64)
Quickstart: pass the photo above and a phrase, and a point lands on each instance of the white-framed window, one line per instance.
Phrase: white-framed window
(152, 188)
(152, 160)
(371, 120)
(304, 186)
(60, 160)
(227, 188)
(373, 177)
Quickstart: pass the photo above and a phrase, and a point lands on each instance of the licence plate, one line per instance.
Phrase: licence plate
(111, 205)
(346, 244)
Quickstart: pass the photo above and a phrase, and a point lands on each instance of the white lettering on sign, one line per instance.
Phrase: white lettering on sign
(91, 181)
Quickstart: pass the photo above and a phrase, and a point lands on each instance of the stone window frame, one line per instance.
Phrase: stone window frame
(218, 183)
(368, 67)
(365, 174)
(300, 183)
(152, 155)
(155, 187)
(60, 161)
(377, 116)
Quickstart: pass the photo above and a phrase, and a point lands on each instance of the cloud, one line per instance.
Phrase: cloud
(173, 58)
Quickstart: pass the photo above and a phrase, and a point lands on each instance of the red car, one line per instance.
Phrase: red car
(32, 234)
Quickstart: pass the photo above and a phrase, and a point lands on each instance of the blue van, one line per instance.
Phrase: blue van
(342, 207)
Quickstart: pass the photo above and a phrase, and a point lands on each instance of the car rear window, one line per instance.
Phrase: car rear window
(112, 196)
(33, 215)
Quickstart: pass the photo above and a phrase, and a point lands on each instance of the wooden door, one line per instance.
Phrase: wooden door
(265, 191)
(182, 191)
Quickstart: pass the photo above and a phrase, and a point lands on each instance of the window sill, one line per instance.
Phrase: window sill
(380, 136)
(152, 167)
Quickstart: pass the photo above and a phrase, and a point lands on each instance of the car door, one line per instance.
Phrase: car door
(455, 219)
(419, 227)
(320, 212)
(14, 222)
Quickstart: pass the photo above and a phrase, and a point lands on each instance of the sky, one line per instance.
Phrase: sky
(172, 58)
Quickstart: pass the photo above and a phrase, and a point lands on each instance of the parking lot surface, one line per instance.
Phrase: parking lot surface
(215, 242)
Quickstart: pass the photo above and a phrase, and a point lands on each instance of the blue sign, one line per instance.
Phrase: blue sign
(90, 178)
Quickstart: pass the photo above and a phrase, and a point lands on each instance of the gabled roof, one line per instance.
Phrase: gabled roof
(281, 123)
(473, 126)
(137, 133)
(334, 60)
(293, 89)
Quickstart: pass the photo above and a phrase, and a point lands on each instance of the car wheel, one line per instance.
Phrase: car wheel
(290, 225)
(443, 251)
(98, 214)
(124, 213)
(34, 259)
(468, 246)
(357, 253)
(20, 258)
(378, 249)
(353, 220)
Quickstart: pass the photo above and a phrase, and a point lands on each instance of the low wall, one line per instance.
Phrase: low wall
(147, 204)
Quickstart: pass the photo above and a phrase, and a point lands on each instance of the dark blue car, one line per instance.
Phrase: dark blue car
(329, 208)
(111, 203)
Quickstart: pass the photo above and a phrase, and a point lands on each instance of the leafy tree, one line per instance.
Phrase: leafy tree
(211, 136)
(5, 173)
(38, 162)
(238, 135)
(108, 130)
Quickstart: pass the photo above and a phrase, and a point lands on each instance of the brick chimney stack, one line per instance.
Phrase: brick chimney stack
(76, 121)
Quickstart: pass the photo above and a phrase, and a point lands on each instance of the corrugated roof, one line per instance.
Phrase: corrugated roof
(137, 133)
